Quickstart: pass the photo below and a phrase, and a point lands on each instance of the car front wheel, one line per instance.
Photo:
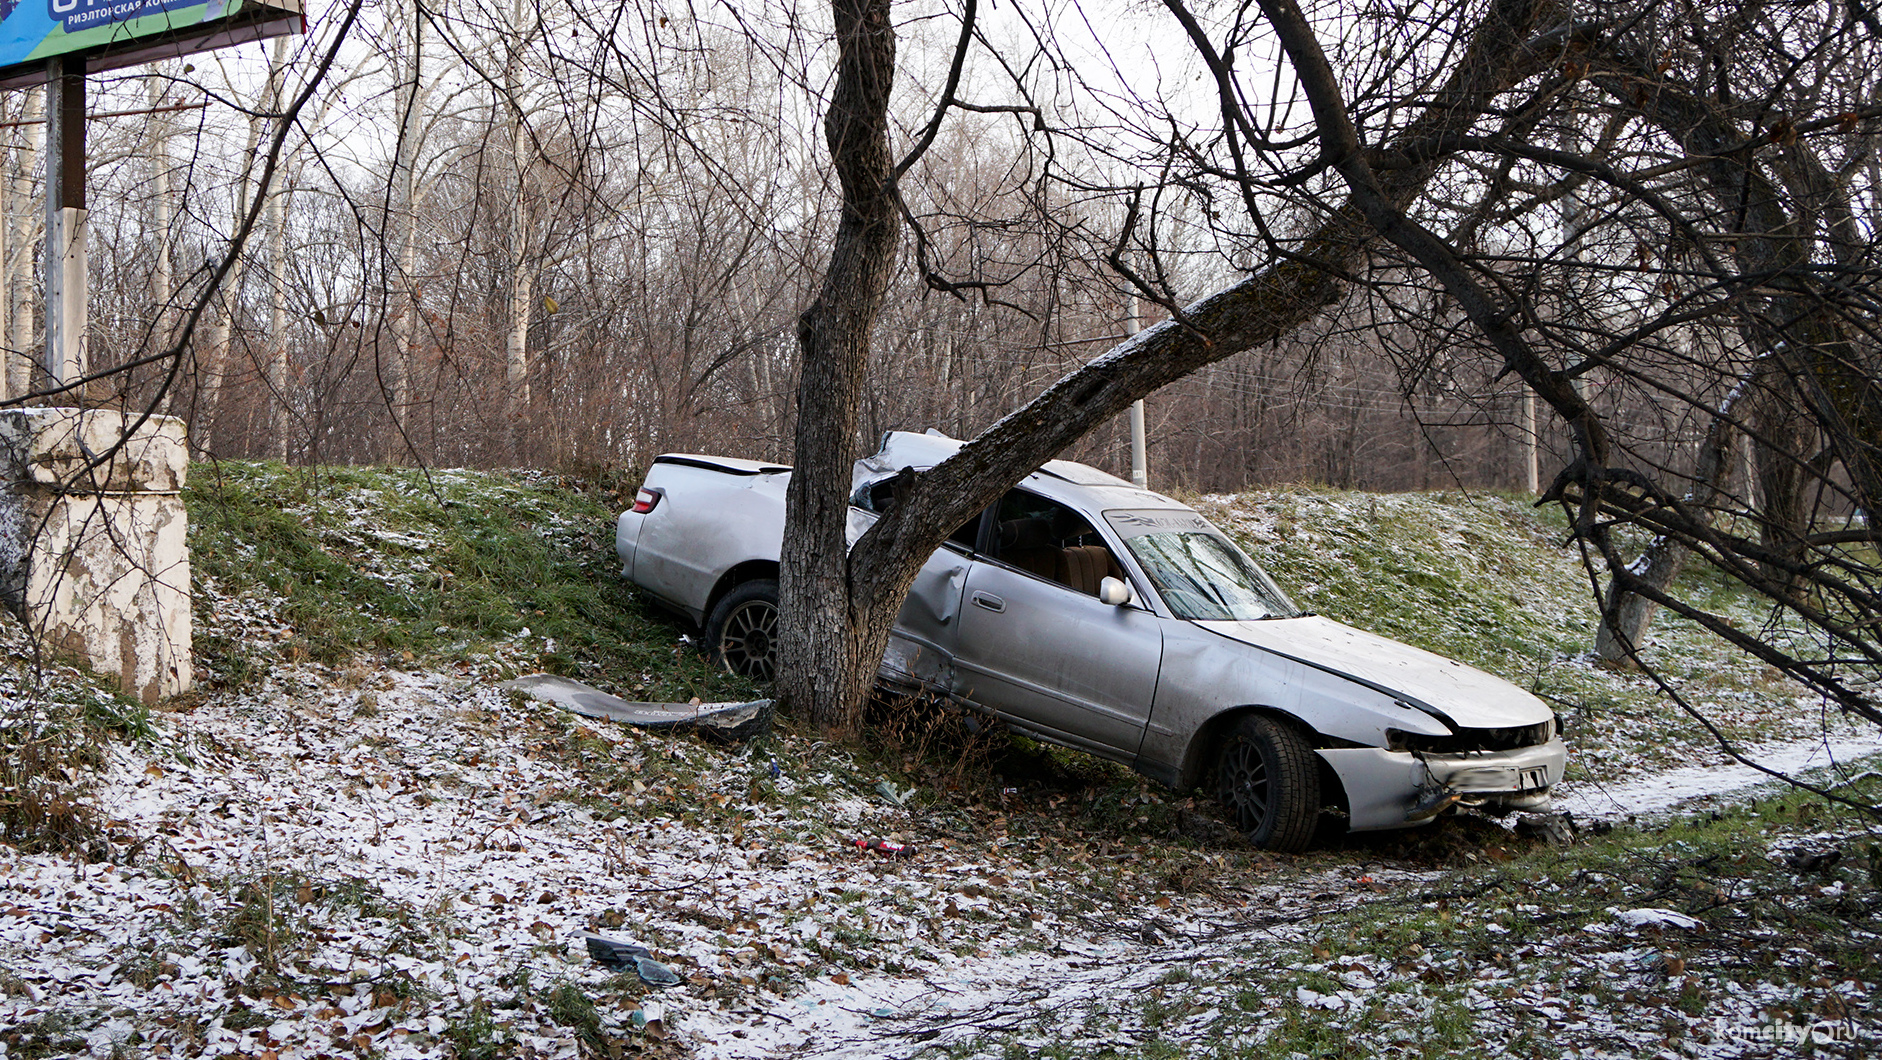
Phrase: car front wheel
(742, 634)
(1268, 780)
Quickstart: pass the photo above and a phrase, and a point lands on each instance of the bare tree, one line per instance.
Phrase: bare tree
(579, 235)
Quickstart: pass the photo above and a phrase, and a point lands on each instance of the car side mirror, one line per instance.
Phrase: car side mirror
(1114, 591)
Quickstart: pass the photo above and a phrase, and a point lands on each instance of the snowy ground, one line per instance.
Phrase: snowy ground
(383, 863)
(1814, 758)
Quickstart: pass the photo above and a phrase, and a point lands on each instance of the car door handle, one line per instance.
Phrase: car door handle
(989, 601)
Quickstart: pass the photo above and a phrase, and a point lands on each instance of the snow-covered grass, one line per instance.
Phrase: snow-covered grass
(352, 844)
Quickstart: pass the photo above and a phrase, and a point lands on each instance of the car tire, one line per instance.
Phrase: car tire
(742, 633)
(1268, 780)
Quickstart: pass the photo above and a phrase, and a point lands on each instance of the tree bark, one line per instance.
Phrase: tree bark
(828, 629)
(277, 368)
(522, 263)
(1803, 364)
(162, 281)
(212, 355)
(402, 292)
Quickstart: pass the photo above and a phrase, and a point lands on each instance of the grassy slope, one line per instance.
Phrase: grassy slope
(1483, 578)
(1477, 577)
(519, 567)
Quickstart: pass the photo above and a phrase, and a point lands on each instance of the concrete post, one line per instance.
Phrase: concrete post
(67, 295)
(93, 554)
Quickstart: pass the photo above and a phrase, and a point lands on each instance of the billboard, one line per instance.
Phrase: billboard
(114, 33)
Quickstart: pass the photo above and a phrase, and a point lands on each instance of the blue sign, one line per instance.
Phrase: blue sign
(38, 29)
(76, 15)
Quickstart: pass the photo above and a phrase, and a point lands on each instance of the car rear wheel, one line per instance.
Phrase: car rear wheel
(1268, 780)
(742, 634)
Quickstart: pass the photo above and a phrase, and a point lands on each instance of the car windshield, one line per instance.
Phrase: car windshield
(1200, 574)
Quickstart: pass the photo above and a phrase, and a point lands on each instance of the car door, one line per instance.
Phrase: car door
(920, 656)
(1045, 654)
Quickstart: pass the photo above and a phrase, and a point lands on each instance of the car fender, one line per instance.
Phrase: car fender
(1207, 678)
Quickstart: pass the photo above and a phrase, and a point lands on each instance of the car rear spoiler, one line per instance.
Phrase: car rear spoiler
(728, 464)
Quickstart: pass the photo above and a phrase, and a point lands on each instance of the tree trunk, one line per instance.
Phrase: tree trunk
(522, 264)
(277, 368)
(516, 352)
(1779, 451)
(162, 277)
(212, 361)
(278, 321)
(402, 291)
(827, 633)
(1625, 612)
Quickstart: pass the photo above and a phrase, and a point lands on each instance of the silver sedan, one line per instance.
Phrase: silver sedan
(1090, 613)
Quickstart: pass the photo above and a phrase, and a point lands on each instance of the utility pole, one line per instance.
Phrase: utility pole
(67, 306)
(1532, 467)
(1140, 472)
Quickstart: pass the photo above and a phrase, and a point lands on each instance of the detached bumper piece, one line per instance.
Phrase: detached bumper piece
(616, 953)
(727, 721)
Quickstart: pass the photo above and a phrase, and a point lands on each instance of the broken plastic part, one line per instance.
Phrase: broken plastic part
(1431, 802)
(614, 953)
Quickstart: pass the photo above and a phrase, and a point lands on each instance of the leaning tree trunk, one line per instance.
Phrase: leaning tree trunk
(825, 639)
(1781, 452)
(836, 618)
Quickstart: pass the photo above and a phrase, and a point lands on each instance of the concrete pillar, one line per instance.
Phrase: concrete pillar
(67, 295)
(93, 554)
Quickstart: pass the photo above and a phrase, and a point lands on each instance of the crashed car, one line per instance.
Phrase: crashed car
(1087, 612)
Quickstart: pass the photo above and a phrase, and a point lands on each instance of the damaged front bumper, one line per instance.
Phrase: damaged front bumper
(1392, 789)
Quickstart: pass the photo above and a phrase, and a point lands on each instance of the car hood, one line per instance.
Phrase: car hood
(1456, 693)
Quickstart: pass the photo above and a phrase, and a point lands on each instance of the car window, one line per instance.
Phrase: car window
(1199, 573)
(967, 535)
(1049, 540)
(879, 497)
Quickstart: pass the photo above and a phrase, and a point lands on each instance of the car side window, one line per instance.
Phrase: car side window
(880, 497)
(968, 536)
(1048, 540)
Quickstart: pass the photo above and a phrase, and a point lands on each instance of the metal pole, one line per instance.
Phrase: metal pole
(1532, 464)
(1140, 472)
(67, 307)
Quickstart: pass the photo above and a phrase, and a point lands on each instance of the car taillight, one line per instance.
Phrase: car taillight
(646, 499)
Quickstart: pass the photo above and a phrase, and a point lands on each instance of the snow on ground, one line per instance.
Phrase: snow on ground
(400, 864)
(1819, 758)
(337, 871)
